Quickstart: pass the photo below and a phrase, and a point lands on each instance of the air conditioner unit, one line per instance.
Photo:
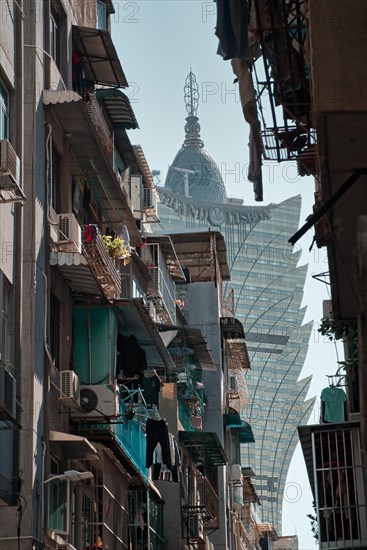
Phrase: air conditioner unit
(99, 401)
(9, 166)
(232, 379)
(69, 233)
(8, 390)
(236, 473)
(195, 527)
(65, 546)
(136, 196)
(150, 201)
(69, 388)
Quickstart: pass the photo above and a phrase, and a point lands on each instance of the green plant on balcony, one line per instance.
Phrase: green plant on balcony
(335, 330)
(117, 248)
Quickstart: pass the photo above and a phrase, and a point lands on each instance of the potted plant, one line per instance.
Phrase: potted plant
(117, 248)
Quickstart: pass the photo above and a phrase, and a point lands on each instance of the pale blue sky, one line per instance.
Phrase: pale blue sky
(157, 42)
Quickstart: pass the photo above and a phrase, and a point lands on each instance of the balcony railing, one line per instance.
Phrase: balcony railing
(100, 124)
(102, 265)
(202, 500)
(339, 486)
(162, 292)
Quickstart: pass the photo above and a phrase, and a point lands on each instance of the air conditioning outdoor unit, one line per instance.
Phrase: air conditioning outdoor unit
(195, 527)
(99, 401)
(69, 388)
(69, 233)
(9, 166)
(150, 201)
(236, 473)
(65, 546)
(136, 196)
(8, 390)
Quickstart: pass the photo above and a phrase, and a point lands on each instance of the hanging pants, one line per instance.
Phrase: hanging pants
(157, 432)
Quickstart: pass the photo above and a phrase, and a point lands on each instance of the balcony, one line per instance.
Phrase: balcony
(333, 458)
(102, 265)
(202, 500)
(162, 288)
(91, 141)
(283, 82)
(126, 439)
(86, 265)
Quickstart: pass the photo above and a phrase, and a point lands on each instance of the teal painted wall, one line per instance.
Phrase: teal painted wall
(103, 324)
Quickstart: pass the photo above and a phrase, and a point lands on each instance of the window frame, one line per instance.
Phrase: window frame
(6, 315)
(58, 492)
(4, 110)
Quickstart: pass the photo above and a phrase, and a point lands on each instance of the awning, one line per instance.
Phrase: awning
(118, 106)
(96, 51)
(196, 251)
(195, 340)
(246, 434)
(232, 420)
(249, 491)
(197, 442)
(72, 446)
(71, 113)
(75, 269)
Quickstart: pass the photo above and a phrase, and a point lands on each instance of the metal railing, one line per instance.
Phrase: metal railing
(100, 124)
(102, 265)
(202, 500)
(339, 486)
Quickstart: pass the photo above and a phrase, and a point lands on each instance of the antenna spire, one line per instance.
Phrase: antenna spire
(192, 126)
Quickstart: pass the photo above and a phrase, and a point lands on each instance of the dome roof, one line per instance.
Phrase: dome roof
(205, 184)
(193, 172)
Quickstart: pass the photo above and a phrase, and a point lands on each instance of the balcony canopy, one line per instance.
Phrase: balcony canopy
(207, 442)
(119, 109)
(136, 319)
(196, 250)
(71, 113)
(96, 51)
(194, 340)
(72, 446)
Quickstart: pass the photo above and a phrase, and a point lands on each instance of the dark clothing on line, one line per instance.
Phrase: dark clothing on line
(157, 432)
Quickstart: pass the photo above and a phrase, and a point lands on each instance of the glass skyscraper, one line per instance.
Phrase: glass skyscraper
(265, 294)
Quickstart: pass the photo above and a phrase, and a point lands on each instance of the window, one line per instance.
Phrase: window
(55, 36)
(57, 510)
(5, 307)
(4, 112)
(101, 15)
(56, 177)
(54, 329)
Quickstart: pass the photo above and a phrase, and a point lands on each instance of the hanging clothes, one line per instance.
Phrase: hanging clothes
(249, 108)
(333, 405)
(231, 29)
(157, 432)
(131, 361)
(151, 385)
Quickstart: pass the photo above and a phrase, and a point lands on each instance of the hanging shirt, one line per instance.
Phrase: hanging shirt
(151, 386)
(334, 399)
